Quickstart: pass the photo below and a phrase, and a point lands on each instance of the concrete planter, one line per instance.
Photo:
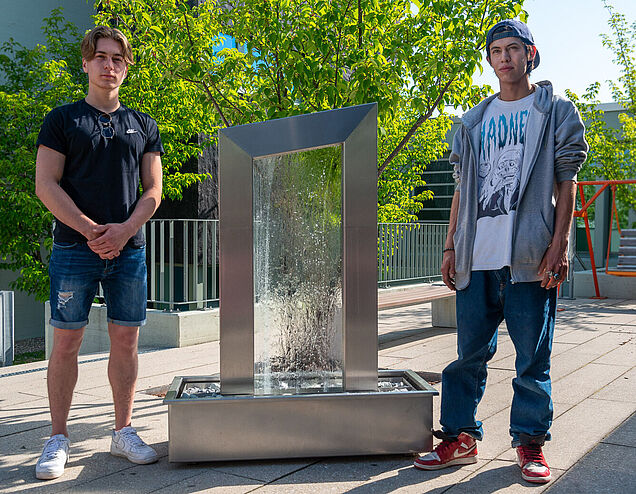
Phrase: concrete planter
(162, 329)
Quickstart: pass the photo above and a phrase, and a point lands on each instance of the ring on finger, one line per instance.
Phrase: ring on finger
(556, 276)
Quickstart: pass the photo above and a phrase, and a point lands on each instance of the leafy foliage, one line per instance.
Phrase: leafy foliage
(36, 80)
(291, 57)
(298, 56)
(612, 153)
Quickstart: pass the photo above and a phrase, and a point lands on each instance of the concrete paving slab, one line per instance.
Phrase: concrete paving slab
(496, 398)
(211, 481)
(586, 381)
(407, 479)
(505, 349)
(624, 434)
(30, 384)
(602, 344)
(424, 344)
(625, 354)
(626, 328)
(496, 435)
(566, 363)
(428, 361)
(577, 336)
(90, 436)
(164, 477)
(607, 469)
(559, 348)
(263, 471)
(9, 397)
(500, 477)
(144, 383)
(35, 414)
(335, 475)
(385, 362)
(507, 363)
(403, 330)
(622, 388)
(589, 421)
(496, 375)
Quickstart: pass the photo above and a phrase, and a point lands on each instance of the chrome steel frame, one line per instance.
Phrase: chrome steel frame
(354, 128)
(236, 425)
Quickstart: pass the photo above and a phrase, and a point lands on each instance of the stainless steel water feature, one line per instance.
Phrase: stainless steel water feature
(228, 420)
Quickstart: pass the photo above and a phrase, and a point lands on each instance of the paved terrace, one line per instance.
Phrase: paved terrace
(594, 391)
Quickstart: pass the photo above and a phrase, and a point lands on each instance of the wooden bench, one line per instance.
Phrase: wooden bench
(442, 301)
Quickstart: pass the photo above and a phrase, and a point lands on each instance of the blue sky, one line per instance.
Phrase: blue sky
(567, 34)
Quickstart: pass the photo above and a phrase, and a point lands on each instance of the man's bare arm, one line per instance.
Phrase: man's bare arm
(49, 166)
(113, 236)
(448, 261)
(555, 259)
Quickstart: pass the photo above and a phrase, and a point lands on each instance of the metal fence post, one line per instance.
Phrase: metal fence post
(6, 328)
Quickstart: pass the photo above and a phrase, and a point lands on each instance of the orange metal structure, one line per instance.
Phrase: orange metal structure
(582, 213)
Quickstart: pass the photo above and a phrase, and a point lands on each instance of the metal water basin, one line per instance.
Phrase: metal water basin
(207, 426)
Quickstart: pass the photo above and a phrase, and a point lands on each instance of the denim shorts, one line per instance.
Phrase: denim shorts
(75, 272)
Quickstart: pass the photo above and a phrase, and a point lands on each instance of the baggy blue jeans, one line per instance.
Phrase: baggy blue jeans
(529, 312)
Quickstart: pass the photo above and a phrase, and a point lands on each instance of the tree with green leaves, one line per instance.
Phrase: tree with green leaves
(612, 154)
(292, 57)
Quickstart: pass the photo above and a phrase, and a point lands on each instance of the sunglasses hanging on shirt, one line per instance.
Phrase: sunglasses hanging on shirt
(106, 122)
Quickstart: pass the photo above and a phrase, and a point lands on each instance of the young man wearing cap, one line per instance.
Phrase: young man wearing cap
(92, 156)
(516, 157)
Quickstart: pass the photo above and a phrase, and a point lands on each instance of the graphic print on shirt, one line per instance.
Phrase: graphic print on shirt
(502, 139)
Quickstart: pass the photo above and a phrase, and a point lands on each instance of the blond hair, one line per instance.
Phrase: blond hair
(89, 43)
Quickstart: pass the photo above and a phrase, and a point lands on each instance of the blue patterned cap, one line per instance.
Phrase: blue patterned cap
(511, 28)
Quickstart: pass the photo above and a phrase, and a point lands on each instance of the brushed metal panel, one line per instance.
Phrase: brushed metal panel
(356, 128)
(302, 132)
(236, 309)
(246, 427)
(360, 262)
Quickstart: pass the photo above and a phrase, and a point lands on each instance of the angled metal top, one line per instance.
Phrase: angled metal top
(301, 132)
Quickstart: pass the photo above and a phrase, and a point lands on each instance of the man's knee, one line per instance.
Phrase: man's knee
(123, 338)
(67, 342)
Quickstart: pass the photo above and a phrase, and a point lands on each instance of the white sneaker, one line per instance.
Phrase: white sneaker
(53, 458)
(128, 444)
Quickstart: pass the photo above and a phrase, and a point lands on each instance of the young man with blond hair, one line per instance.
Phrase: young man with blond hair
(92, 156)
(516, 158)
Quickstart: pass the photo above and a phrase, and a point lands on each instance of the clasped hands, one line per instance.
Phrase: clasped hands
(107, 241)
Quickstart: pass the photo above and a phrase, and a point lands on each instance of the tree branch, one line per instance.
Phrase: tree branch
(421, 119)
(226, 122)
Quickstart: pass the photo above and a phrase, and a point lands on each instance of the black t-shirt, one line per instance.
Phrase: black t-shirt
(100, 175)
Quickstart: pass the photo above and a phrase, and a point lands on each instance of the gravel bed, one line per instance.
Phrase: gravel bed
(29, 345)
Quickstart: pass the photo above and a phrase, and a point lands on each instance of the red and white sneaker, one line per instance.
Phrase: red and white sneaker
(461, 451)
(534, 468)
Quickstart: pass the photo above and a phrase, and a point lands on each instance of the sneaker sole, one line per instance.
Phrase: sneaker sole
(536, 480)
(48, 475)
(458, 461)
(135, 460)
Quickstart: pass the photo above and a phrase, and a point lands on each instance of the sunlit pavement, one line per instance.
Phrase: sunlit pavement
(594, 391)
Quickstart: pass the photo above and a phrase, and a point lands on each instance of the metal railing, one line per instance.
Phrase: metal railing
(410, 252)
(182, 263)
(182, 258)
(6, 328)
(583, 213)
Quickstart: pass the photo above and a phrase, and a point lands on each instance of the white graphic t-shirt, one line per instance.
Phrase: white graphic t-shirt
(503, 130)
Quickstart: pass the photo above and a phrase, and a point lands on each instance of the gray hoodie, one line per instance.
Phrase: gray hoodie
(555, 149)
